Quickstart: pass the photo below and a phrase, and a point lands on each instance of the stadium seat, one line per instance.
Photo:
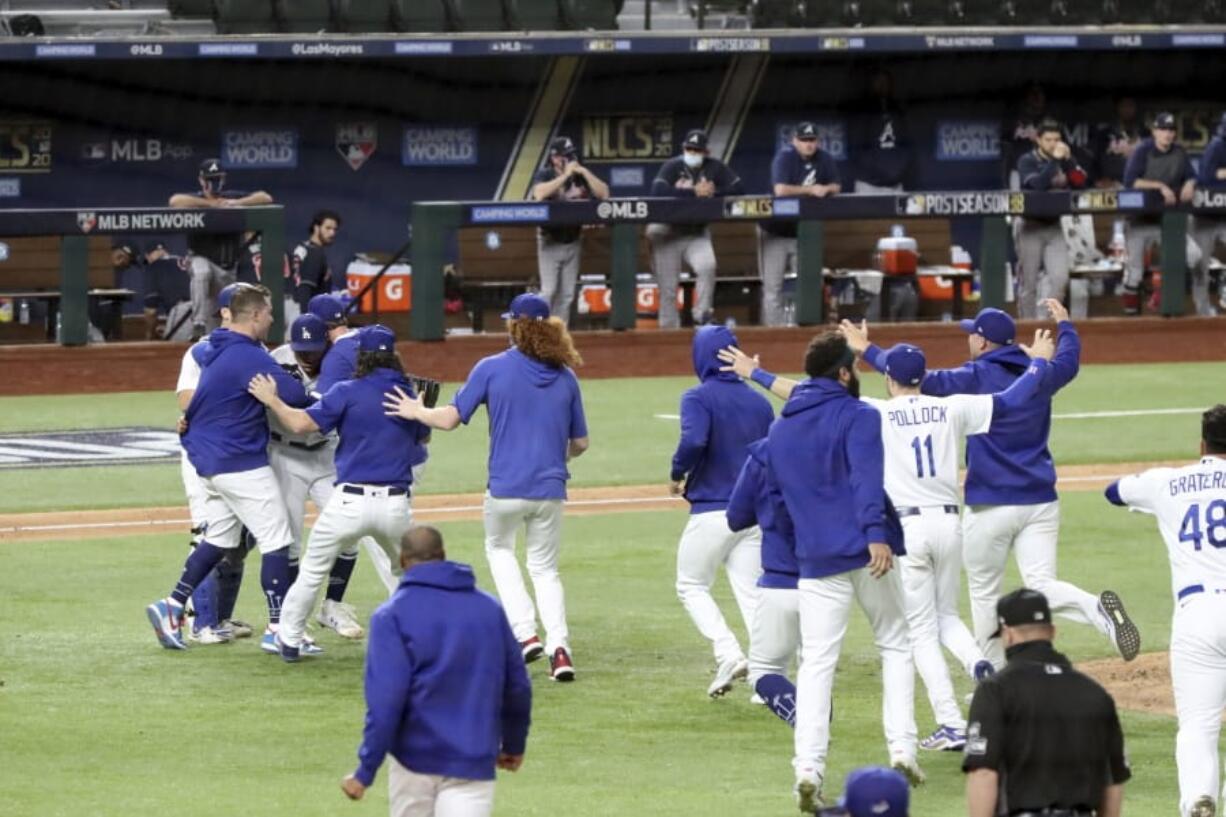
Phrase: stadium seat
(831, 13)
(536, 15)
(479, 15)
(773, 14)
(191, 8)
(599, 15)
(306, 16)
(364, 16)
(420, 16)
(245, 17)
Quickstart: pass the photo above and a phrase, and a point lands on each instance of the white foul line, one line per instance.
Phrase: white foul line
(1078, 415)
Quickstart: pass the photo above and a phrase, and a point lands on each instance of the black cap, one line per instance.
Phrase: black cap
(1164, 121)
(211, 168)
(155, 245)
(126, 245)
(695, 140)
(1022, 606)
(562, 146)
(806, 130)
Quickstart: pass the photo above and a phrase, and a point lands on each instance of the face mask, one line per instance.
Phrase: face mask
(693, 160)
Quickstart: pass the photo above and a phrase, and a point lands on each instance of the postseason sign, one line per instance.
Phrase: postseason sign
(994, 203)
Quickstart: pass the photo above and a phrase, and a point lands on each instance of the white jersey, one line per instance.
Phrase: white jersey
(921, 435)
(1190, 503)
(189, 371)
(284, 355)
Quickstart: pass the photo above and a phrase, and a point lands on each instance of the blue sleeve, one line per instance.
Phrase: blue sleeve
(289, 388)
(695, 429)
(1113, 494)
(1136, 164)
(516, 694)
(1022, 390)
(874, 356)
(327, 413)
(337, 366)
(1067, 361)
(474, 392)
(389, 675)
(578, 422)
(866, 457)
(665, 181)
(727, 183)
(742, 511)
(1209, 164)
(782, 170)
(944, 382)
(829, 173)
(1036, 175)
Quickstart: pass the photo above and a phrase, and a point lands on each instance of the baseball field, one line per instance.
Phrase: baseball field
(96, 719)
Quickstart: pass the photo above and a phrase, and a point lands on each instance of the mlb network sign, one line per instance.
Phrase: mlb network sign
(433, 146)
(975, 141)
(259, 148)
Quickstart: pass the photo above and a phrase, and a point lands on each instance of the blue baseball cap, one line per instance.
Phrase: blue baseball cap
(992, 324)
(376, 338)
(308, 333)
(226, 295)
(874, 791)
(528, 305)
(906, 364)
(328, 308)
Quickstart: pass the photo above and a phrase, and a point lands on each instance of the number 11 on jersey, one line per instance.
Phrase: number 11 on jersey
(919, 457)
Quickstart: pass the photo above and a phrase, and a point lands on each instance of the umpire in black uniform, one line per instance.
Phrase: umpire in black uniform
(1043, 739)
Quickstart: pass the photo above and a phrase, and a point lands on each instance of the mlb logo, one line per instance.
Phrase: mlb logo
(356, 142)
(94, 152)
(87, 221)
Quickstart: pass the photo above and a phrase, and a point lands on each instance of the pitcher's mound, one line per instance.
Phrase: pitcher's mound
(1143, 685)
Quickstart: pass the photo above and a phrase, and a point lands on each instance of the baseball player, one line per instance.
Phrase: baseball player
(167, 285)
(536, 426)
(1040, 241)
(213, 258)
(1011, 500)
(799, 169)
(1207, 230)
(226, 439)
(373, 471)
(720, 417)
(692, 174)
(826, 456)
(309, 268)
(557, 248)
(1158, 163)
(1189, 504)
(775, 634)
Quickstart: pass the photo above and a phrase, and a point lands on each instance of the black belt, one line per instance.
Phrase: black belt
(913, 511)
(277, 438)
(360, 491)
(1054, 812)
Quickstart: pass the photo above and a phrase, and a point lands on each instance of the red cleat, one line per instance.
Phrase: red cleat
(560, 667)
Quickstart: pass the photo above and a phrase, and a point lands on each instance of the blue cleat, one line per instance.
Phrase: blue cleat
(166, 616)
(984, 670)
(945, 739)
(273, 645)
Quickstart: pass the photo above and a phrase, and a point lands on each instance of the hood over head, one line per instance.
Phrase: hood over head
(708, 340)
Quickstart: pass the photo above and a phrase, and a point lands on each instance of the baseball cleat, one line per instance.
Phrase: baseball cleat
(560, 666)
(210, 635)
(983, 670)
(341, 617)
(908, 768)
(288, 654)
(532, 649)
(166, 616)
(240, 629)
(1203, 807)
(945, 739)
(726, 674)
(1123, 632)
(808, 791)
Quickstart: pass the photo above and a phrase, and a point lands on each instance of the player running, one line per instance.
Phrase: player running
(1190, 506)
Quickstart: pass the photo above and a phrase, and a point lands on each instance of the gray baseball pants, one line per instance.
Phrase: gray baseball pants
(668, 251)
(207, 281)
(1207, 232)
(776, 254)
(1141, 236)
(559, 272)
(1040, 246)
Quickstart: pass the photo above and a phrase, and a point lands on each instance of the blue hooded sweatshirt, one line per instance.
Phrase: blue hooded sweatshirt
(756, 500)
(339, 363)
(720, 417)
(826, 456)
(1011, 464)
(535, 411)
(227, 428)
(446, 685)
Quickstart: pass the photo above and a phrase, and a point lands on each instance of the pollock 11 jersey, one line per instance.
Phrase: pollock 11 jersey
(921, 435)
(1190, 504)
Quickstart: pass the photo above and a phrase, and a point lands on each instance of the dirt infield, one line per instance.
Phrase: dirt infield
(47, 369)
(427, 508)
(1143, 685)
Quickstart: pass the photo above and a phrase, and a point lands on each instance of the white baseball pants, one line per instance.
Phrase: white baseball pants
(825, 606)
(250, 499)
(344, 520)
(541, 520)
(988, 531)
(193, 487)
(411, 794)
(310, 474)
(775, 635)
(1198, 675)
(932, 580)
(707, 543)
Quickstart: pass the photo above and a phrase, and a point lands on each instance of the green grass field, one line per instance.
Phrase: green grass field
(96, 719)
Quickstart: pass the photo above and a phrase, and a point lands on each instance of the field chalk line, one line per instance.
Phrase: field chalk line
(1077, 415)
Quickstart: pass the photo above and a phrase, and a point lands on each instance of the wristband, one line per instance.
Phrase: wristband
(763, 378)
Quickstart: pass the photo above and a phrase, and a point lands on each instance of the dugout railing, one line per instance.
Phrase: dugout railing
(76, 226)
(433, 223)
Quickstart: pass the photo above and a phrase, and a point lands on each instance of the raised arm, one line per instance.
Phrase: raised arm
(1067, 360)
(1027, 386)
(397, 403)
(750, 369)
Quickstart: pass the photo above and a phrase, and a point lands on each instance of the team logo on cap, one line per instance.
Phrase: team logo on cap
(212, 167)
(306, 334)
(356, 142)
(87, 221)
